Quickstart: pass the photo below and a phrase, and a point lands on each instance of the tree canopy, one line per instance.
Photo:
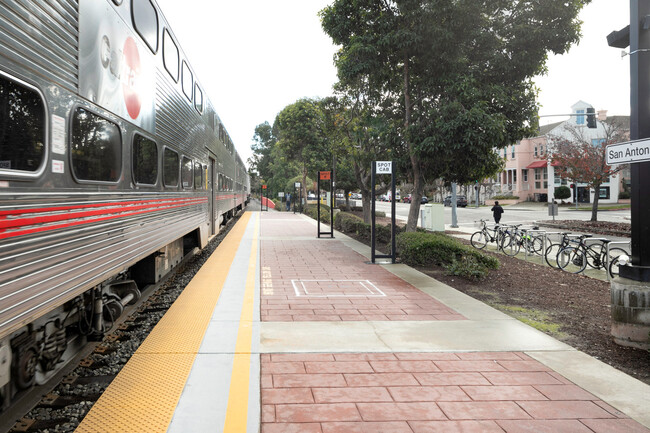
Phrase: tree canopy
(452, 78)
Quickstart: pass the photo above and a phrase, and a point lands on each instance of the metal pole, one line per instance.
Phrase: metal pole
(392, 210)
(372, 211)
(318, 203)
(639, 128)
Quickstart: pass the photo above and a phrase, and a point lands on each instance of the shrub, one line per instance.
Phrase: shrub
(278, 204)
(426, 249)
(562, 192)
(505, 197)
(624, 195)
(312, 212)
(467, 267)
(348, 223)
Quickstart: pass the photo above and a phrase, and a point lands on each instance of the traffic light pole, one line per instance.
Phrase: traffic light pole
(638, 40)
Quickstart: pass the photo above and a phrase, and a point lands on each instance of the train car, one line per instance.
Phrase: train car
(113, 165)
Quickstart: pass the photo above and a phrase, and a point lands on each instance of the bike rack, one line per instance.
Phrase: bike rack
(570, 235)
(543, 233)
(628, 243)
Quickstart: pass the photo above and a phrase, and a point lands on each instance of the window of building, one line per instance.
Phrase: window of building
(145, 160)
(145, 21)
(580, 120)
(188, 81)
(597, 141)
(22, 127)
(170, 167)
(524, 174)
(171, 56)
(198, 176)
(545, 172)
(198, 98)
(95, 147)
(513, 152)
(535, 151)
(187, 175)
(604, 192)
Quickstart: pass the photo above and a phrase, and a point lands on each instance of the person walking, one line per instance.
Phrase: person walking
(496, 212)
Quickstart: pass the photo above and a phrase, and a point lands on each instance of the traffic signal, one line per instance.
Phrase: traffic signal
(591, 118)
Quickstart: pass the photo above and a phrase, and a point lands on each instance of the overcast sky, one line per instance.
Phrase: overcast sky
(255, 57)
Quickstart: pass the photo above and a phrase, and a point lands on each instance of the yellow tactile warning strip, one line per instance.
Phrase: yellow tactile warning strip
(143, 397)
(237, 412)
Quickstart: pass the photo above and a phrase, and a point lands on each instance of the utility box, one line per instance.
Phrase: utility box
(433, 217)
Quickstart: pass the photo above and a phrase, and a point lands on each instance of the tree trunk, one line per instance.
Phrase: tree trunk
(418, 186)
(594, 208)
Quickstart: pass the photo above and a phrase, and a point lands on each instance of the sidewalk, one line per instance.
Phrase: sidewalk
(384, 348)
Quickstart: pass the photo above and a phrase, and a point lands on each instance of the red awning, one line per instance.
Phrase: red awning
(537, 164)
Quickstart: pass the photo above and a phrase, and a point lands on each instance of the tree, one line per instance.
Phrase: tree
(582, 159)
(452, 78)
(301, 138)
(562, 192)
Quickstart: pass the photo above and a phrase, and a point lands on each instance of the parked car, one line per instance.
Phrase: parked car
(423, 200)
(355, 196)
(311, 196)
(461, 201)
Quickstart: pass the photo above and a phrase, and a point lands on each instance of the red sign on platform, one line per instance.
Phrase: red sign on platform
(325, 175)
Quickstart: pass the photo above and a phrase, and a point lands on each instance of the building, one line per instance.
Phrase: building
(530, 175)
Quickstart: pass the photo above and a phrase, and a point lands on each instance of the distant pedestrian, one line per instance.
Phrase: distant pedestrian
(497, 211)
(288, 202)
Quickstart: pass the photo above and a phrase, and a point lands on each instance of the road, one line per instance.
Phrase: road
(525, 213)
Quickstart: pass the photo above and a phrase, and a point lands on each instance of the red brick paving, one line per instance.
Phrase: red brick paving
(323, 280)
(425, 393)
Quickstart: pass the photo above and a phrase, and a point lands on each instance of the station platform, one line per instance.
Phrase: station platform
(283, 332)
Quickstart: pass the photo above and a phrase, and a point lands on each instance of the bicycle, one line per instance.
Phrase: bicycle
(575, 259)
(530, 243)
(480, 238)
(550, 255)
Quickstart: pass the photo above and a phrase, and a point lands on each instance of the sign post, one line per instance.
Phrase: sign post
(296, 187)
(382, 167)
(325, 175)
(262, 197)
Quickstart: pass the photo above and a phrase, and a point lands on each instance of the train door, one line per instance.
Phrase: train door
(212, 176)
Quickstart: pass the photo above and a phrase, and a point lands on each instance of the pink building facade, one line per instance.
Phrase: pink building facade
(529, 175)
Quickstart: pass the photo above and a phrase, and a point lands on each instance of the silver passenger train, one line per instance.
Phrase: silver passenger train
(113, 165)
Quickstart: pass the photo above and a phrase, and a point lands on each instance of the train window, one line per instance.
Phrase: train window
(145, 21)
(171, 57)
(188, 80)
(198, 98)
(186, 173)
(95, 148)
(198, 176)
(22, 127)
(170, 167)
(145, 160)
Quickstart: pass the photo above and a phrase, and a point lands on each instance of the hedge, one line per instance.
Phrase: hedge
(426, 249)
(311, 211)
(349, 223)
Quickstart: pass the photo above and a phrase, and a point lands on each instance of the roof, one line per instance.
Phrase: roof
(537, 164)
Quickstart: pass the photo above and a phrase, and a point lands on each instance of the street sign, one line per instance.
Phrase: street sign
(628, 152)
(280, 194)
(297, 184)
(384, 167)
(325, 175)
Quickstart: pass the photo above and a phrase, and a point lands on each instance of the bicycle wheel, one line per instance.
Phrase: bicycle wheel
(537, 245)
(613, 261)
(572, 259)
(511, 245)
(478, 240)
(551, 254)
(595, 256)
